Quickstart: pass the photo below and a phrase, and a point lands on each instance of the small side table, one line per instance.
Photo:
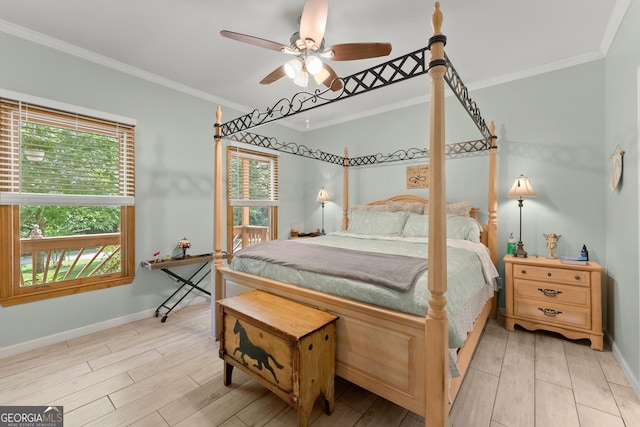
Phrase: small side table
(193, 283)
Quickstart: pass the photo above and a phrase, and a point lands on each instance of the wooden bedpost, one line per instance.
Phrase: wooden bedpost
(492, 223)
(436, 328)
(492, 232)
(217, 217)
(345, 190)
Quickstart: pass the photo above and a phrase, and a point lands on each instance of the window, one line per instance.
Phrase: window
(67, 188)
(252, 197)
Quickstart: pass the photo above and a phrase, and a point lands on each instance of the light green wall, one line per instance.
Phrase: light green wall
(549, 127)
(621, 208)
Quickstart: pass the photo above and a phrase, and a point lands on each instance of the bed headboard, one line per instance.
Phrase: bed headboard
(410, 203)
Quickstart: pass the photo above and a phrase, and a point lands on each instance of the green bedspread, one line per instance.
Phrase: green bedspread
(468, 289)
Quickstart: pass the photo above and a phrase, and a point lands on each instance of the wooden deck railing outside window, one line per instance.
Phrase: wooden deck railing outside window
(54, 259)
(245, 235)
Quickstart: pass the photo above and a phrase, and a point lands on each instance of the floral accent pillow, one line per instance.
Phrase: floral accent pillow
(459, 208)
(411, 207)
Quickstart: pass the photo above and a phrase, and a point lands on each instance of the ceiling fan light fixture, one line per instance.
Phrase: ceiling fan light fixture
(313, 64)
(301, 79)
(307, 45)
(293, 68)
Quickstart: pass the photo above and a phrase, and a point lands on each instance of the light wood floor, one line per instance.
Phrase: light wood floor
(148, 373)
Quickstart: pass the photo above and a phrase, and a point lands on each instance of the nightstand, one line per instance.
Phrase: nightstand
(547, 294)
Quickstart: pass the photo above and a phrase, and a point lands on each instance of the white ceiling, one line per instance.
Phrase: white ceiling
(177, 42)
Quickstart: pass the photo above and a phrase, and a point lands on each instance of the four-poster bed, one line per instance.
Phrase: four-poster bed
(399, 356)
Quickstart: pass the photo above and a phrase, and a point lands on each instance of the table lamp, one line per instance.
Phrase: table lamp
(323, 196)
(520, 189)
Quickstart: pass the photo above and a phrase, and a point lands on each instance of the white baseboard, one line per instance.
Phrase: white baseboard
(624, 366)
(84, 330)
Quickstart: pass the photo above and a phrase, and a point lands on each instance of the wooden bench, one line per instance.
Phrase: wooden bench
(287, 347)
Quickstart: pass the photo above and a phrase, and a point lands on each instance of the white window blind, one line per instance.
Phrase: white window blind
(50, 157)
(253, 178)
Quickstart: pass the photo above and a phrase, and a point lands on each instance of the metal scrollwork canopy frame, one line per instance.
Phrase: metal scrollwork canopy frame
(405, 67)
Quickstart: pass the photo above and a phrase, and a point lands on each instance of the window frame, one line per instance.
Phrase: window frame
(272, 202)
(11, 199)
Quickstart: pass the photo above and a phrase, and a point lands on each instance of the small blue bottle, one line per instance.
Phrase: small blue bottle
(584, 252)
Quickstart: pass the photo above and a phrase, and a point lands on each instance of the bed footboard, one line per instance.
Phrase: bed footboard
(392, 370)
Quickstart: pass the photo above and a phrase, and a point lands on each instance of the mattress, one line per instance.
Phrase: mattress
(470, 277)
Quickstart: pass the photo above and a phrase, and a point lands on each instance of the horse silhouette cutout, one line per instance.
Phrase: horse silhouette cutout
(246, 347)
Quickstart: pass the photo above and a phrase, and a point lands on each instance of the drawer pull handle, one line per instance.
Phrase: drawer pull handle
(550, 312)
(549, 292)
(548, 274)
(578, 277)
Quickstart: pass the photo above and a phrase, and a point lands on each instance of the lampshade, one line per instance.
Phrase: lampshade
(292, 68)
(301, 79)
(297, 71)
(522, 188)
(323, 196)
(313, 64)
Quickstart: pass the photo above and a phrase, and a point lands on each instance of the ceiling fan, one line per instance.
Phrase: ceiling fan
(307, 45)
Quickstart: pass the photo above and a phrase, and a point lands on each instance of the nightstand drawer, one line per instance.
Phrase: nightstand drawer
(558, 314)
(553, 292)
(569, 276)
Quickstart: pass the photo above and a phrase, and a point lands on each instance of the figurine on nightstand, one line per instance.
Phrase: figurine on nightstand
(552, 243)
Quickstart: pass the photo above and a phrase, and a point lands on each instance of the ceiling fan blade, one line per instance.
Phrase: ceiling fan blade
(321, 75)
(256, 41)
(328, 77)
(353, 51)
(276, 74)
(313, 23)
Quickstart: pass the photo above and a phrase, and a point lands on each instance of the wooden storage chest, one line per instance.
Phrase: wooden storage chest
(287, 347)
